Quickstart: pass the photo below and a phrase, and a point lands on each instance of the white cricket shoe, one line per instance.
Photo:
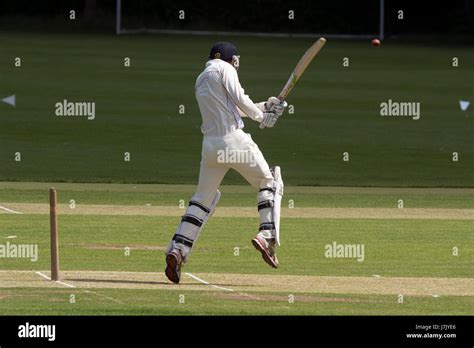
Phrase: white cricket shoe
(267, 248)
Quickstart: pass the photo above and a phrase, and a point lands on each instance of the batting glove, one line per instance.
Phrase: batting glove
(269, 119)
(276, 105)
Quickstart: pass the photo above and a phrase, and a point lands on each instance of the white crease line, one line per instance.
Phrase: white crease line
(72, 286)
(207, 283)
(57, 281)
(43, 275)
(65, 284)
(9, 210)
(198, 279)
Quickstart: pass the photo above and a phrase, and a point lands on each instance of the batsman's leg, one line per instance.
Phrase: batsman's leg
(200, 209)
(270, 185)
(269, 206)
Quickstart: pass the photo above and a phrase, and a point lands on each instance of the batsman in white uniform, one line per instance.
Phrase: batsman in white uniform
(222, 103)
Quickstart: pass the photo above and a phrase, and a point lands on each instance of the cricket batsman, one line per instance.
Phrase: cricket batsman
(223, 103)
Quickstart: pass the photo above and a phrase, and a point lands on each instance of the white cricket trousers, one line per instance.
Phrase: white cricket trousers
(236, 151)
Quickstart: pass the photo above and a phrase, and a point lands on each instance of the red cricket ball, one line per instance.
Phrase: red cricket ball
(375, 42)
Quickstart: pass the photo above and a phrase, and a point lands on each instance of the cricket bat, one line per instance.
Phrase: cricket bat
(300, 68)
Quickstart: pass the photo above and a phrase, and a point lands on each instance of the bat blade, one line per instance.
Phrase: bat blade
(301, 67)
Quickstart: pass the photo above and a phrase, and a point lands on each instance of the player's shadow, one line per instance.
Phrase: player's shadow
(137, 282)
(123, 281)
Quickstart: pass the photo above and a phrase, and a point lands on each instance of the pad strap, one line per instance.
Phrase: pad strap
(265, 204)
(267, 226)
(200, 206)
(192, 220)
(267, 189)
(183, 240)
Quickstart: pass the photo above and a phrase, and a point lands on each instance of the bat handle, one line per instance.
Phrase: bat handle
(262, 126)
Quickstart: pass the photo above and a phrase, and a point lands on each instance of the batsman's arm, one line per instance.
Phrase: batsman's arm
(236, 92)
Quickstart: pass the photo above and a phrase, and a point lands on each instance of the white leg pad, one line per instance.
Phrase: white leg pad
(269, 207)
(192, 223)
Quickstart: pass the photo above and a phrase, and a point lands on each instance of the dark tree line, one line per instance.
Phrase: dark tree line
(322, 16)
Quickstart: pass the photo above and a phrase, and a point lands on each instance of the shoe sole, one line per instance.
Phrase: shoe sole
(265, 255)
(171, 267)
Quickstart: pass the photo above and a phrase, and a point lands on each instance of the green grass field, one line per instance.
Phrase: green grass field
(336, 110)
(408, 256)
(418, 259)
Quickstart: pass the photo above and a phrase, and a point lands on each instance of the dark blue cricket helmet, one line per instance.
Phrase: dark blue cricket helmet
(223, 50)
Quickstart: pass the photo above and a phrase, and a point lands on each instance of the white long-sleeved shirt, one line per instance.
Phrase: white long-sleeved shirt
(222, 100)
